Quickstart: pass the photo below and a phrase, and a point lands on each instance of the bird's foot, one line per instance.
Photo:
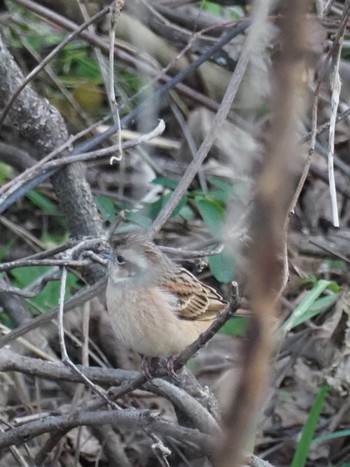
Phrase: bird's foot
(151, 366)
(170, 368)
(148, 365)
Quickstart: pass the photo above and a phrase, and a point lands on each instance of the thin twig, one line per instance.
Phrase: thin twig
(220, 320)
(105, 152)
(202, 153)
(28, 293)
(189, 352)
(322, 128)
(47, 59)
(189, 254)
(31, 172)
(75, 247)
(43, 262)
(81, 297)
(336, 87)
(190, 142)
(97, 140)
(194, 411)
(65, 357)
(334, 51)
(115, 13)
(100, 153)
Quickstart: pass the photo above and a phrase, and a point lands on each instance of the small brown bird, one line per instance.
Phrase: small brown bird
(156, 307)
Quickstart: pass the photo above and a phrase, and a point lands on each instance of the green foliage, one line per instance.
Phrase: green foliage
(211, 207)
(212, 214)
(235, 327)
(311, 305)
(6, 171)
(48, 297)
(53, 239)
(42, 202)
(6, 248)
(76, 62)
(75, 65)
(212, 8)
(165, 182)
(229, 12)
(153, 209)
(334, 435)
(222, 266)
(224, 191)
(138, 218)
(304, 443)
(39, 35)
(106, 207)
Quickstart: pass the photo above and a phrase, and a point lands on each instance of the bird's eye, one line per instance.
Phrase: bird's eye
(120, 259)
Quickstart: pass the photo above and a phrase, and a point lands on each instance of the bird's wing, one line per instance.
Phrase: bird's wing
(195, 300)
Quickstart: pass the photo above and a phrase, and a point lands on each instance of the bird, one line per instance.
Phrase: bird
(156, 307)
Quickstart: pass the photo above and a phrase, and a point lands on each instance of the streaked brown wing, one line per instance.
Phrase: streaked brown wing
(195, 299)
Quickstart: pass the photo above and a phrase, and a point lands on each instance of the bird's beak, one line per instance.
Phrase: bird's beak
(107, 253)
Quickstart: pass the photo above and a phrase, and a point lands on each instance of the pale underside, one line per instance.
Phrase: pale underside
(162, 321)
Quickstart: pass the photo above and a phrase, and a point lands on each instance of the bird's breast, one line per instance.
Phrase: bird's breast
(145, 320)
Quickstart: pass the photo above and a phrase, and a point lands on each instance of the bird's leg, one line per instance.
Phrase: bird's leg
(170, 368)
(147, 366)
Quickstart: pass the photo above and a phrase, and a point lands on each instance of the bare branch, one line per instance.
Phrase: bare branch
(65, 357)
(207, 143)
(81, 297)
(47, 59)
(268, 269)
(127, 419)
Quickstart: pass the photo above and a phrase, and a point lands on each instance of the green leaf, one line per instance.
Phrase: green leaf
(302, 312)
(179, 207)
(42, 202)
(319, 306)
(186, 212)
(329, 436)
(88, 69)
(6, 171)
(221, 196)
(136, 217)
(334, 287)
(6, 248)
(26, 275)
(51, 240)
(49, 296)
(212, 214)
(153, 209)
(223, 186)
(235, 327)
(309, 281)
(106, 207)
(212, 7)
(47, 206)
(303, 446)
(165, 182)
(236, 13)
(222, 266)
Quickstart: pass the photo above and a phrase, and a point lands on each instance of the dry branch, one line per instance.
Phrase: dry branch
(268, 272)
(127, 419)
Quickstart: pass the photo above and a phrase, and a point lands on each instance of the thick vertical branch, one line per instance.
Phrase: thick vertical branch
(40, 123)
(268, 253)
